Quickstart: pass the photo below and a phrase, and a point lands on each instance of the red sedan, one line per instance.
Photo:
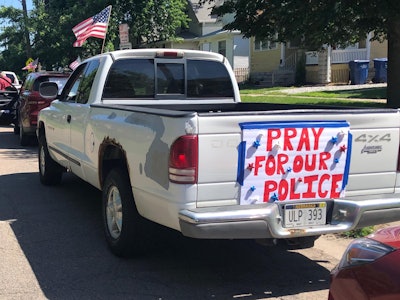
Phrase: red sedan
(369, 268)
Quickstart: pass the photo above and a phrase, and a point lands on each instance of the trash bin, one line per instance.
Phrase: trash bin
(380, 66)
(359, 71)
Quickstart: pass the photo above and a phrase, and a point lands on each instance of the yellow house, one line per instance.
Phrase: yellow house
(274, 64)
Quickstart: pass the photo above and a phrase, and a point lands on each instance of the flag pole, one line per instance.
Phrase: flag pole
(108, 21)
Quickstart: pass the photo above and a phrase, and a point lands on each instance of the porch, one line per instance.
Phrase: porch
(332, 66)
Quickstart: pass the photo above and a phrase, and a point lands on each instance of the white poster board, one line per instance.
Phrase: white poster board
(282, 161)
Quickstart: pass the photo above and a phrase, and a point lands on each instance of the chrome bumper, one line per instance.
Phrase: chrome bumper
(265, 220)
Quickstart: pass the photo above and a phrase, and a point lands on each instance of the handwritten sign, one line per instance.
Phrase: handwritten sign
(293, 160)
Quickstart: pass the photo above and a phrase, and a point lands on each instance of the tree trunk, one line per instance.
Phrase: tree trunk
(28, 48)
(393, 70)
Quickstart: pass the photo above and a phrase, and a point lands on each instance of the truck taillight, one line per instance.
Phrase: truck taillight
(183, 160)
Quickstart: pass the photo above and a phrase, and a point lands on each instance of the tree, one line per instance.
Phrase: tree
(318, 22)
(153, 20)
(13, 44)
(49, 26)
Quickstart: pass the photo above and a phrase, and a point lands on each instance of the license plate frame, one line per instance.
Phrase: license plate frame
(300, 215)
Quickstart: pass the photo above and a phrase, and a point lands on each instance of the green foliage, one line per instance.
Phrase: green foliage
(46, 31)
(152, 21)
(319, 23)
(357, 233)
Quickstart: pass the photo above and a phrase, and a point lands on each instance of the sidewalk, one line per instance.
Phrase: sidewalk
(317, 88)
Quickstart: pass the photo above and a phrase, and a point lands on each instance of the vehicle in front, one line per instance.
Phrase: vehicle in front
(369, 268)
(30, 102)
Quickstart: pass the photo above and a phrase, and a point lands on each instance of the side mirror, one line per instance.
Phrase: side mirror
(48, 89)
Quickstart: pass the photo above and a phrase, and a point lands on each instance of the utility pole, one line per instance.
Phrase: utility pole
(28, 48)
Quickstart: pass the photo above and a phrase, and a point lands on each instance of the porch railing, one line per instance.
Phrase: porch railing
(344, 56)
(338, 56)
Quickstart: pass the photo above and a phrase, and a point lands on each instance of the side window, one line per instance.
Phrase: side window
(87, 81)
(28, 83)
(70, 91)
(77, 89)
(130, 78)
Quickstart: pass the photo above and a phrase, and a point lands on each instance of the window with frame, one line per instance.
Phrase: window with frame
(77, 89)
(201, 83)
(164, 78)
(222, 47)
(130, 78)
(263, 45)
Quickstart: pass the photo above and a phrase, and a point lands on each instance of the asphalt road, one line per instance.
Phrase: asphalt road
(52, 247)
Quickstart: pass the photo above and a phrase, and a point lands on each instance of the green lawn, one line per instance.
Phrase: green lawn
(367, 97)
(357, 97)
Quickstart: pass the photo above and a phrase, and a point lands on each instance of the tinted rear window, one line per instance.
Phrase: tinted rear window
(59, 80)
(208, 79)
(145, 78)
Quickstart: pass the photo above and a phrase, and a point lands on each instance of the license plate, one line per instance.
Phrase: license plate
(305, 214)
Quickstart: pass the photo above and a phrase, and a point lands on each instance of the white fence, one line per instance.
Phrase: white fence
(338, 56)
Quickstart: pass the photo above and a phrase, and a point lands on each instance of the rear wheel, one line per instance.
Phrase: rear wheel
(50, 172)
(24, 139)
(124, 228)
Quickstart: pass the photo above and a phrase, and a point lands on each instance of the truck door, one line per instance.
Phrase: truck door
(76, 109)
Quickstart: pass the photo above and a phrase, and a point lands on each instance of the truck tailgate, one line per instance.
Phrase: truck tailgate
(373, 148)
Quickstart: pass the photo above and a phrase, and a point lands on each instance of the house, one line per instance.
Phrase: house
(205, 33)
(331, 65)
(274, 64)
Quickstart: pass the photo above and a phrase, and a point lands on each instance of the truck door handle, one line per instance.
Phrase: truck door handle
(69, 118)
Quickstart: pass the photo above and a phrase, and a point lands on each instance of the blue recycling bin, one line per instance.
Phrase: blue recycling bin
(380, 66)
(359, 71)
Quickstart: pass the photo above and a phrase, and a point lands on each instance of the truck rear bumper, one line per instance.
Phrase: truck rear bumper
(265, 221)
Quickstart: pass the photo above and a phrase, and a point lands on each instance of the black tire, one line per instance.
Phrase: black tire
(125, 229)
(24, 139)
(50, 172)
(16, 129)
(301, 242)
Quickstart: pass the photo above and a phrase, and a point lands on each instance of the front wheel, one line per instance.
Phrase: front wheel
(50, 173)
(123, 225)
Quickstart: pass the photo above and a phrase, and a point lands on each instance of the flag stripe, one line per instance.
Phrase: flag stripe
(95, 26)
(32, 65)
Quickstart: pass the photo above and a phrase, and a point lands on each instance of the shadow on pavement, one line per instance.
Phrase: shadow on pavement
(60, 232)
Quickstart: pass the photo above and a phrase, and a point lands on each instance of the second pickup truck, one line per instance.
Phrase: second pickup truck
(163, 134)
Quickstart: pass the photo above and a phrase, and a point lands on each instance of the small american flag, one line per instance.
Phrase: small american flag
(32, 65)
(75, 63)
(95, 26)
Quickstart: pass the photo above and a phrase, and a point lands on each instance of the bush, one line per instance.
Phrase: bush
(357, 233)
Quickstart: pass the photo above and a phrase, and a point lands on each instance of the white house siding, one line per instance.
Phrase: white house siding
(241, 52)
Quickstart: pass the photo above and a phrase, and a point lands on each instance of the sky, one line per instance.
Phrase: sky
(16, 3)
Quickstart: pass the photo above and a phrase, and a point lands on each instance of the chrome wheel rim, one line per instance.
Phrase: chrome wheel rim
(114, 212)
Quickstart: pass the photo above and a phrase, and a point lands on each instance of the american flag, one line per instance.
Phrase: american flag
(95, 26)
(32, 65)
(75, 63)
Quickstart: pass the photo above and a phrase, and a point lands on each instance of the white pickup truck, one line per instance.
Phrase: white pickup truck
(163, 134)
